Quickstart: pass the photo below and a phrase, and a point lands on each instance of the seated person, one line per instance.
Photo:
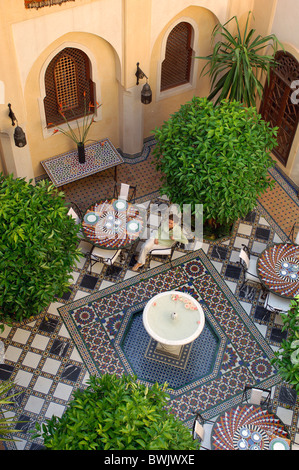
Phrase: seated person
(168, 233)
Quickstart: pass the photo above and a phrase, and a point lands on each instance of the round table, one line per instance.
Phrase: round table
(278, 269)
(173, 319)
(249, 427)
(113, 224)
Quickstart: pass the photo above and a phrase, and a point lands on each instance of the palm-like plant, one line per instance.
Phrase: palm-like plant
(236, 62)
(6, 428)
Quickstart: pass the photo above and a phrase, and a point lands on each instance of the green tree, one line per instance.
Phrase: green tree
(117, 413)
(38, 247)
(238, 62)
(287, 357)
(217, 156)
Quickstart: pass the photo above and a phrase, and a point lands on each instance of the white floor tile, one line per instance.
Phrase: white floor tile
(40, 342)
(12, 353)
(285, 415)
(63, 332)
(51, 366)
(31, 359)
(54, 409)
(23, 378)
(21, 336)
(43, 385)
(63, 391)
(80, 294)
(245, 229)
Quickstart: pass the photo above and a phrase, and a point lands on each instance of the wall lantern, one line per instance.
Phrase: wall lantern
(19, 134)
(146, 92)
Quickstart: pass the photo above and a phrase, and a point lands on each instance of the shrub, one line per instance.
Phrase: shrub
(38, 247)
(117, 413)
(287, 357)
(217, 156)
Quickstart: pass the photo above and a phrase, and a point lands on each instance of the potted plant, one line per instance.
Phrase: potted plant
(79, 136)
(117, 413)
(38, 247)
(237, 61)
(287, 357)
(217, 156)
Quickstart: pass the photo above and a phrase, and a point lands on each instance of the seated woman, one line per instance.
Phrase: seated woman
(168, 233)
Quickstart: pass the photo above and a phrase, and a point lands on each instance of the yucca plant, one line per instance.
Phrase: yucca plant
(237, 61)
(6, 423)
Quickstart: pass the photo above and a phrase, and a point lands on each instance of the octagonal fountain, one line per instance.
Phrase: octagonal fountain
(173, 319)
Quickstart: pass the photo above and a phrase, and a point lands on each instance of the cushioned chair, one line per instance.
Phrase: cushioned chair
(100, 255)
(198, 430)
(167, 252)
(257, 396)
(248, 265)
(294, 234)
(125, 192)
(75, 212)
(277, 304)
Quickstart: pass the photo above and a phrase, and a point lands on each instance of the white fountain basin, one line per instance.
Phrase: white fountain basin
(173, 331)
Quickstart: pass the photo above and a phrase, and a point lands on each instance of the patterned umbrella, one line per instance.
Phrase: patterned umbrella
(278, 268)
(249, 427)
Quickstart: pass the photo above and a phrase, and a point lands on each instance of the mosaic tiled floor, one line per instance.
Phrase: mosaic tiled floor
(41, 356)
(229, 352)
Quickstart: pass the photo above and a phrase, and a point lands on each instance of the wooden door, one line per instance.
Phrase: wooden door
(277, 107)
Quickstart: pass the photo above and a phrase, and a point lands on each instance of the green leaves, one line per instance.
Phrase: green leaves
(219, 157)
(237, 61)
(286, 358)
(38, 247)
(115, 413)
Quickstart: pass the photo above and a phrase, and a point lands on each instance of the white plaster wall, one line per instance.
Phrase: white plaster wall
(164, 10)
(286, 22)
(32, 37)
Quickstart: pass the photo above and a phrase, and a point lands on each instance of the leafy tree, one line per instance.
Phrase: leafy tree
(287, 357)
(117, 413)
(38, 247)
(217, 156)
(237, 61)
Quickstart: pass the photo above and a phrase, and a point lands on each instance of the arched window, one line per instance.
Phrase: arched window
(68, 86)
(176, 66)
(277, 107)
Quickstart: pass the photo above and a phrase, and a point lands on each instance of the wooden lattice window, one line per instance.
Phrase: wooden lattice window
(66, 83)
(277, 107)
(176, 66)
(68, 86)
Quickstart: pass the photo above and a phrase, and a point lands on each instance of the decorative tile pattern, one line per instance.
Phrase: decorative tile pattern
(65, 168)
(278, 267)
(47, 335)
(127, 351)
(248, 427)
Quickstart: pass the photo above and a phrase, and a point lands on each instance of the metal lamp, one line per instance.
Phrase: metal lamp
(19, 134)
(146, 92)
